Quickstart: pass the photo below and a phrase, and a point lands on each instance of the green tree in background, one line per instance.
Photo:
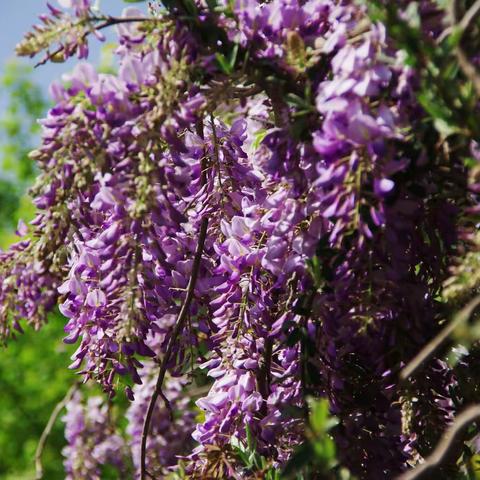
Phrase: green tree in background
(24, 104)
(32, 373)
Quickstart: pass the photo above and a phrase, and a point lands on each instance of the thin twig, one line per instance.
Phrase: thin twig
(470, 16)
(439, 340)
(264, 374)
(180, 323)
(217, 155)
(48, 429)
(448, 444)
(107, 22)
(182, 316)
(150, 474)
(469, 69)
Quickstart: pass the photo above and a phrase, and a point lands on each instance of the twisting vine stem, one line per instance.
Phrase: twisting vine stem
(468, 68)
(447, 448)
(182, 316)
(432, 347)
(48, 429)
(179, 325)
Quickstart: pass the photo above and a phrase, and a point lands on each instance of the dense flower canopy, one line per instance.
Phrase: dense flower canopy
(257, 209)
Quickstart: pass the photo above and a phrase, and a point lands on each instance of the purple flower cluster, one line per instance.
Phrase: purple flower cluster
(92, 440)
(28, 289)
(62, 33)
(272, 28)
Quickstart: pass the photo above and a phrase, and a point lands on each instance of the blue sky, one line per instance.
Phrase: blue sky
(17, 17)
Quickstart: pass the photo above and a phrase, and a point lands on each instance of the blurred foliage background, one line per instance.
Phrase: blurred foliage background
(33, 373)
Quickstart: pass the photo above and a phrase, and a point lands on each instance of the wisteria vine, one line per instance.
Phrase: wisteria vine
(269, 203)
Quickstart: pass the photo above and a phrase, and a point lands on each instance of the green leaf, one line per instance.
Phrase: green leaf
(444, 128)
(455, 37)
(223, 63)
(191, 7)
(434, 106)
(233, 57)
(251, 443)
(212, 5)
(258, 138)
(227, 65)
(318, 415)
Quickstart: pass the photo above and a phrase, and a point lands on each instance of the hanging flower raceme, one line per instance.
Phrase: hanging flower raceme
(91, 440)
